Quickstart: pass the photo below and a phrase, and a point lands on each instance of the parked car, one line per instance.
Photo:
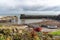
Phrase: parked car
(52, 27)
(49, 26)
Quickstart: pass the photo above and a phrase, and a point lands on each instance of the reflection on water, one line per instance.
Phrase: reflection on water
(26, 21)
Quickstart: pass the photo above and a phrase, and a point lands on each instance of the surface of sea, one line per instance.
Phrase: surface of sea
(23, 21)
(27, 21)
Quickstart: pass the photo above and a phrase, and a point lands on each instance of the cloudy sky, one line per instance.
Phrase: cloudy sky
(17, 6)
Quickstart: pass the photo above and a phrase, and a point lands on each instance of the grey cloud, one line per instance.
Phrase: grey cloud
(28, 8)
(41, 8)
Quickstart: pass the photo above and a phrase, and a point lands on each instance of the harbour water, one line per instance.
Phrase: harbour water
(27, 21)
(23, 21)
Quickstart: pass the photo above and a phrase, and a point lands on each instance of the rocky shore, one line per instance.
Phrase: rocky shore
(48, 22)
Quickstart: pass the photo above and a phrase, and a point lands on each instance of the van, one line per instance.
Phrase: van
(52, 27)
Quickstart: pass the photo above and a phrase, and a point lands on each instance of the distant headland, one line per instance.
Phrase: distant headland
(55, 17)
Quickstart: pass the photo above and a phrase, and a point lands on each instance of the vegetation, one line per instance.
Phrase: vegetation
(12, 34)
(55, 33)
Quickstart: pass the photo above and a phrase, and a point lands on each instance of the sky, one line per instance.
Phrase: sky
(17, 6)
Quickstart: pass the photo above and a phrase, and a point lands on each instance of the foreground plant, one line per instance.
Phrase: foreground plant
(2, 37)
(55, 33)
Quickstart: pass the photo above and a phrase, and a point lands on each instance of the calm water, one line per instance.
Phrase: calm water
(26, 21)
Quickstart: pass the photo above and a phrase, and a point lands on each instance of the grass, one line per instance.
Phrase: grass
(55, 33)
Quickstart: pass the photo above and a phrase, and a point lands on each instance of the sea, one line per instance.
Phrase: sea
(27, 21)
(23, 21)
